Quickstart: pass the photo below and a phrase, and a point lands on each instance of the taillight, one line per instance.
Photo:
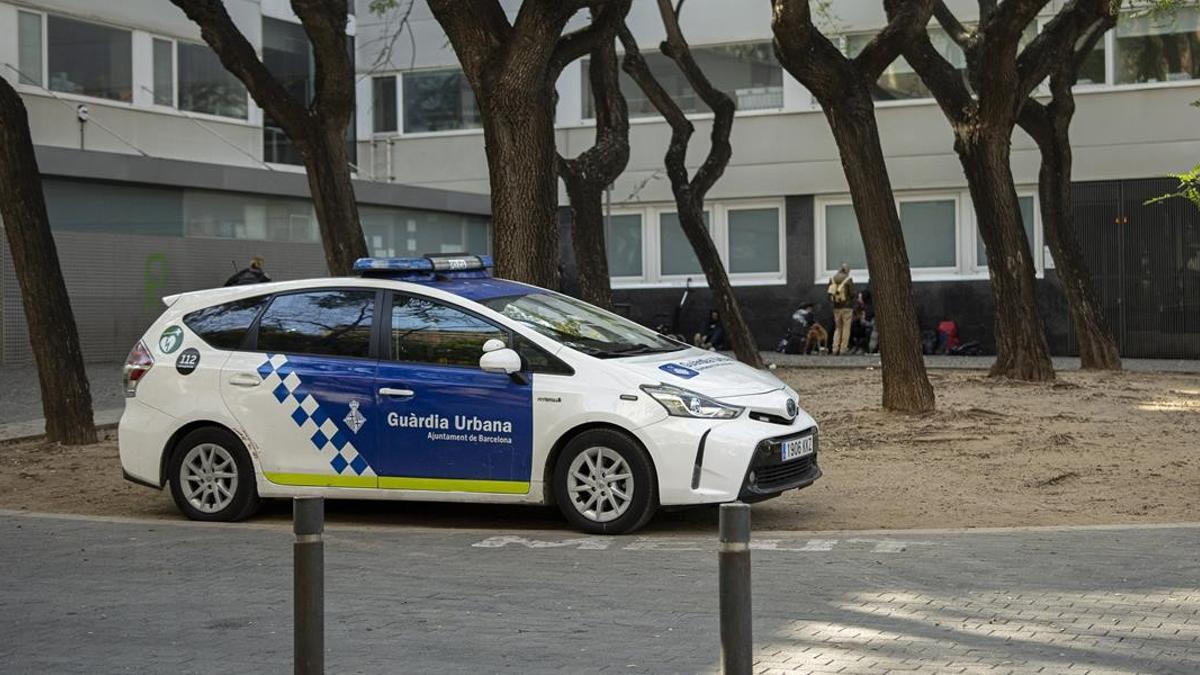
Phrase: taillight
(136, 366)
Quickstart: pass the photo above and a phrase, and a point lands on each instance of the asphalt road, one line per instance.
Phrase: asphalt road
(89, 595)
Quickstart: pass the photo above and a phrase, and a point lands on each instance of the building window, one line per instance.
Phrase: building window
(1162, 48)
(228, 215)
(164, 72)
(288, 55)
(1028, 219)
(940, 232)
(623, 243)
(395, 232)
(676, 255)
(438, 100)
(754, 241)
(89, 59)
(383, 100)
(205, 86)
(843, 243)
(1094, 69)
(29, 48)
(748, 72)
(930, 228)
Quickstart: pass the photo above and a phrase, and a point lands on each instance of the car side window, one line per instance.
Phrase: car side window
(224, 326)
(540, 361)
(326, 322)
(424, 331)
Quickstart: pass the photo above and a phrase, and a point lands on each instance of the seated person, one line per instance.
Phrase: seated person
(713, 335)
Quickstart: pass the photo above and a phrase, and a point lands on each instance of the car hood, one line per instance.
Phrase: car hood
(703, 372)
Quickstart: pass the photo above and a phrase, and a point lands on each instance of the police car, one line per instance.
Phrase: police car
(429, 379)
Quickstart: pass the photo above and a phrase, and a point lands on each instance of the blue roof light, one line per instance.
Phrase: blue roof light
(427, 268)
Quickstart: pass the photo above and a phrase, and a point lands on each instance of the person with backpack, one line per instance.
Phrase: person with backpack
(253, 274)
(841, 294)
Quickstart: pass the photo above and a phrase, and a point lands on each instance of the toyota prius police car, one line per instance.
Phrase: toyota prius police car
(428, 379)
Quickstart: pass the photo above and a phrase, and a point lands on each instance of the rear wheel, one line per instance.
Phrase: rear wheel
(604, 483)
(212, 477)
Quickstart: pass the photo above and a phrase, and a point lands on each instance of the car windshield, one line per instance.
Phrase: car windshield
(581, 326)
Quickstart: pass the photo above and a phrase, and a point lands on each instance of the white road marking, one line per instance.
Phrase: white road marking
(678, 544)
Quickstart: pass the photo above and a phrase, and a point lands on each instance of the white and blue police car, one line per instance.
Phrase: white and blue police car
(429, 379)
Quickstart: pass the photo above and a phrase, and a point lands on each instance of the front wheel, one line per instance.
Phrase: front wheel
(212, 477)
(604, 483)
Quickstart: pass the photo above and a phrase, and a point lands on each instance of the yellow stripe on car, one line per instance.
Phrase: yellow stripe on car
(397, 483)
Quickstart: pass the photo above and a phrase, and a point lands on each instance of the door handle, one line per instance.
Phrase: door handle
(388, 391)
(245, 380)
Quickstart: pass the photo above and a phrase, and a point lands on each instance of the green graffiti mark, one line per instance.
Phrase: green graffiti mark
(154, 281)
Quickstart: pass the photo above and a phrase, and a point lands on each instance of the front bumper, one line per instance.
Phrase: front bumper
(769, 476)
(707, 462)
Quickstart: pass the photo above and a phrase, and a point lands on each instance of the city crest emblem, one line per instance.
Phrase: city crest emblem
(354, 419)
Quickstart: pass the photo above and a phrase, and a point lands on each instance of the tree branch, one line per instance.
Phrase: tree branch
(807, 50)
(1057, 42)
(681, 127)
(722, 106)
(940, 76)
(601, 30)
(961, 35)
(238, 56)
(905, 20)
(478, 30)
(1008, 20)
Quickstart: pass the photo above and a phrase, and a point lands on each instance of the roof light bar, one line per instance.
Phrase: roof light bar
(427, 267)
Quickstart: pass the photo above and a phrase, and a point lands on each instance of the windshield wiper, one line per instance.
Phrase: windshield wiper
(633, 350)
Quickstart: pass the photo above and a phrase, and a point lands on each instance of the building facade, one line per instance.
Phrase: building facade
(781, 214)
(161, 174)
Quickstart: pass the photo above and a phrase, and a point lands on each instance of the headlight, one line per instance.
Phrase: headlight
(683, 403)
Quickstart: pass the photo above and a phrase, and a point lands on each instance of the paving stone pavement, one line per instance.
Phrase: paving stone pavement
(99, 596)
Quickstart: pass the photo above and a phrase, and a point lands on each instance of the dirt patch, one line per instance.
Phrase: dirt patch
(1090, 448)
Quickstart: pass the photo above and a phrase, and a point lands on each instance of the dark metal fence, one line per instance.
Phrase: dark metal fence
(1145, 263)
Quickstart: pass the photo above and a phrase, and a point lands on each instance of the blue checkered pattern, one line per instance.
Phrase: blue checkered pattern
(323, 431)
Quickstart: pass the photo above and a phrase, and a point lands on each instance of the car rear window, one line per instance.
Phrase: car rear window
(224, 326)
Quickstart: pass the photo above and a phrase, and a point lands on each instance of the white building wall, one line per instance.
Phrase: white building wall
(1119, 132)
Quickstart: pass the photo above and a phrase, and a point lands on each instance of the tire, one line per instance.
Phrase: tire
(212, 494)
(608, 513)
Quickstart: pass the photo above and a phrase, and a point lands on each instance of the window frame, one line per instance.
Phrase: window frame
(250, 342)
(45, 89)
(718, 210)
(44, 49)
(174, 107)
(400, 112)
(966, 236)
(641, 214)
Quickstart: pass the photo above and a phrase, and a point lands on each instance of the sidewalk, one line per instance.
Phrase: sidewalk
(21, 398)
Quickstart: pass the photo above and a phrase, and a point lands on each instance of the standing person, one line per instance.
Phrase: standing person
(841, 294)
(253, 274)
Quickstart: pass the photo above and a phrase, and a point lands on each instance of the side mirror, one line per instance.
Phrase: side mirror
(503, 360)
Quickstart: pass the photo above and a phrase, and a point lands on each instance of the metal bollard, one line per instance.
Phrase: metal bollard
(308, 588)
(737, 635)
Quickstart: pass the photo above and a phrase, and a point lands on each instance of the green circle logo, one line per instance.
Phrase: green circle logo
(172, 339)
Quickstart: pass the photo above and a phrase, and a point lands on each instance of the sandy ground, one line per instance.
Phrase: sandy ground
(1087, 449)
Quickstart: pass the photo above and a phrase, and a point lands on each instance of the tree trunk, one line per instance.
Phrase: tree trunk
(333, 196)
(587, 240)
(741, 340)
(1097, 347)
(906, 386)
(522, 166)
(1021, 351)
(66, 396)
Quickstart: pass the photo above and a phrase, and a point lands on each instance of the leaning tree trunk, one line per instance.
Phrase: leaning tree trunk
(741, 340)
(587, 240)
(522, 165)
(1021, 351)
(333, 196)
(906, 386)
(1097, 347)
(66, 397)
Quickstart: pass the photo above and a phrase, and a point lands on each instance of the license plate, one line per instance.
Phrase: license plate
(797, 448)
